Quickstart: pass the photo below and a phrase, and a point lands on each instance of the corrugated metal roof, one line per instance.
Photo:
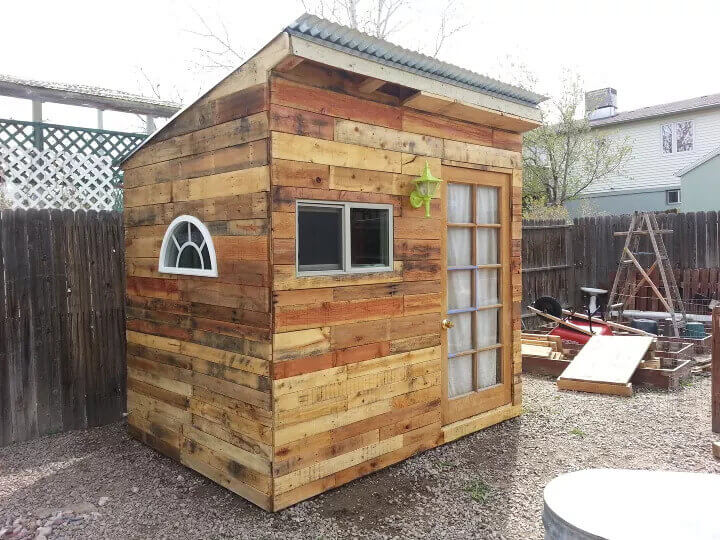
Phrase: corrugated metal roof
(354, 42)
(702, 102)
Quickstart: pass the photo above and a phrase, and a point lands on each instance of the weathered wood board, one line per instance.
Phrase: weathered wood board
(608, 359)
(281, 386)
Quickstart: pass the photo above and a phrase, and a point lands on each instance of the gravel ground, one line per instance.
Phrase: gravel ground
(101, 484)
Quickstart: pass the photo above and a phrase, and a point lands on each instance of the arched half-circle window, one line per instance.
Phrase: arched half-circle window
(187, 248)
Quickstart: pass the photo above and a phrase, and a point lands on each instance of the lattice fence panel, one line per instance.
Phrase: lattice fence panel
(40, 179)
(115, 144)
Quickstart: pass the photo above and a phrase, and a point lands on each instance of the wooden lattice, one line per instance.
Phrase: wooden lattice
(55, 166)
(66, 180)
(115, 144)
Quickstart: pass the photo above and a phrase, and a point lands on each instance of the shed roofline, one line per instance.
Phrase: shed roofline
(433, 94)
(452, 93)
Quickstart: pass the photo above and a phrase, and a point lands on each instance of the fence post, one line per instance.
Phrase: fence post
(570, 262)
(716, 370)
(38, 141)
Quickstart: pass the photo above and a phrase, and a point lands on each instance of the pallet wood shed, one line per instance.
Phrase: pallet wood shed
(286, 304)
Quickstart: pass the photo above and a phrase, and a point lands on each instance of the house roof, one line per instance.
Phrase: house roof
(702, 102)
(378, 50)
(694, 165)
(87, 96)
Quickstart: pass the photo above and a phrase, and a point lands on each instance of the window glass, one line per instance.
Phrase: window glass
(460, 289)
(673, 196)
(190, 258)
(489, 368)
(667, 139)
(187, 248)
(487, 205)
(487, 246)
(684, 136)
(459, 376)
(459, 246)
(319, 238)
(369, 237)
(459, 206)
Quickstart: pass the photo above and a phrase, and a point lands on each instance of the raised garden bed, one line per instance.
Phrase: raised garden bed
(674, 358)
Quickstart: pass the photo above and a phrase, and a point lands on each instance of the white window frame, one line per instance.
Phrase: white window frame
(673, 134)
(346, 247)
(667, 197)
(207, 238)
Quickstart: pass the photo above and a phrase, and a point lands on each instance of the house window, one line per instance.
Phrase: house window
(672, 196)
(187, 248)
(684, 136)
(677, 137)
(337, 238)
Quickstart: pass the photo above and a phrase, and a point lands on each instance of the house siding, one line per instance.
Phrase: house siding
(648, 170)
(701, 187)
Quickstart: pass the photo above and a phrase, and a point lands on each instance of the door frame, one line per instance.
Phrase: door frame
(477, 402)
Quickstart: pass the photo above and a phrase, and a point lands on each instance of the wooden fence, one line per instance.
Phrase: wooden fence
(62, 347)
(559, 258)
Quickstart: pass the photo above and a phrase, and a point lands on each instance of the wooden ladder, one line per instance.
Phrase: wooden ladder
(626, 285)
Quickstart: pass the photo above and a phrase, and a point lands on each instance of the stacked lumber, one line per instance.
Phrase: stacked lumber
(543, 346)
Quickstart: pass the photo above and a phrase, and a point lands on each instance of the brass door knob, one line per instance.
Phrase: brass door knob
(447, 323)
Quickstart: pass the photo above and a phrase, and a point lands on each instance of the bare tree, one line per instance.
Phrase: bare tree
(448, 27)
(564, 157)
(216, 49)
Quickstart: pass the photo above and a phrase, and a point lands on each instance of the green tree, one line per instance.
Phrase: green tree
(563, 157)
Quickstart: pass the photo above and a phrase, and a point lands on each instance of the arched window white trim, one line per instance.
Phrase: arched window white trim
(188, 249)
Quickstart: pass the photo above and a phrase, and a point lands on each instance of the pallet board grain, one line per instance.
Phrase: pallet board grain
(277, 385)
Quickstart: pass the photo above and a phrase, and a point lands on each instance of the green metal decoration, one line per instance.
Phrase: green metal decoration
(425, 189)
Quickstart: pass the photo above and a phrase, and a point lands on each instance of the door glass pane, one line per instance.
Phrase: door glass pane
(459, 203)
(460, 336)
(489, 372)
(487, 246)
(487, 328)
(487, 205)
(459, 246)
(319, 238)
(459, 375)
(487, 287)
(369, 237)
(460, 289)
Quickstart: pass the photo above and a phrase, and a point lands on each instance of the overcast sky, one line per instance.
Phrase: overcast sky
(651, 52)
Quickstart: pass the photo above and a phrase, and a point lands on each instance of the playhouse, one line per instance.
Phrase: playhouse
(306, 302)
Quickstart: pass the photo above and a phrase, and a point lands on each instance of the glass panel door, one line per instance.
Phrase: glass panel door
(477, 337)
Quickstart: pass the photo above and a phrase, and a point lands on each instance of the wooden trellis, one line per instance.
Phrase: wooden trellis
(114, 144)
(49, 179)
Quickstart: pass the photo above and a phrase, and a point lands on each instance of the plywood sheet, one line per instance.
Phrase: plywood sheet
(608, 359)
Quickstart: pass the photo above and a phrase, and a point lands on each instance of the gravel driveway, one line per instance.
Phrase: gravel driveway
(101, 484)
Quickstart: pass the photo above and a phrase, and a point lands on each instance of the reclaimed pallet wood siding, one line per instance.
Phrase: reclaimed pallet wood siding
(199, 348)
(61, 322)
(357, 358)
